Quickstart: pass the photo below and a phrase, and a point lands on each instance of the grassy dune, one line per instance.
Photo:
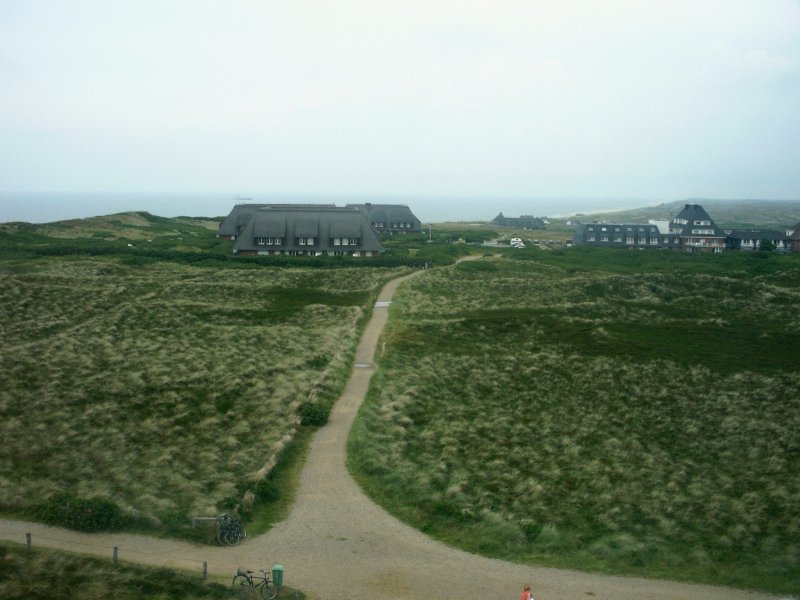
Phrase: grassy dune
(49, 574)
(163, 387)
(611, 412)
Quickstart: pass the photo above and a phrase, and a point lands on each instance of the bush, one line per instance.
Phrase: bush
(451, 510)
(94, 514)
(228, 504)
(313, 414)
(266, 490)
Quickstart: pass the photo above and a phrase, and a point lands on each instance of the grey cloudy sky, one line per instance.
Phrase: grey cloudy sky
(595, 98)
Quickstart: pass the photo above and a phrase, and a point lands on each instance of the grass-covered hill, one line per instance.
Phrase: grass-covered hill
(156, 385)
(627, 412)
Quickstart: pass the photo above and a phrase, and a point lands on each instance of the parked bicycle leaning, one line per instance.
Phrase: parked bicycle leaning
(250, 583)
(230, 531)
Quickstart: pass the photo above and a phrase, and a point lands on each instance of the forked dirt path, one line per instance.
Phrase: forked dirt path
(336, 544)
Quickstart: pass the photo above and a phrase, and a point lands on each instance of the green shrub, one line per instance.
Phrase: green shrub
(451, 510)
(266, 490)
(313, 414)
(93, 514)
(228, 504)
(532, 531)
(477, 266)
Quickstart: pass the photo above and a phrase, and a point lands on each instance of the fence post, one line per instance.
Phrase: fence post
(28, 539)
(116, 553)
(205, 570)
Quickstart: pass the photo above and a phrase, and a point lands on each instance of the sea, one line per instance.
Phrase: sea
(47, 207)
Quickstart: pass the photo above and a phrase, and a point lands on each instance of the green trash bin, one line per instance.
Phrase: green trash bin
(277, 575)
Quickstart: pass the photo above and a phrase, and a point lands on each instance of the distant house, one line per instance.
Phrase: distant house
(523, 222)
(310, 230)
(696, 230)
(750, 239)
(793, 237)
(692, 230)
(393, 218)
(618, 235)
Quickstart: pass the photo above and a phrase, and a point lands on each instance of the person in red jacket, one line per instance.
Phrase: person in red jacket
(526, 593)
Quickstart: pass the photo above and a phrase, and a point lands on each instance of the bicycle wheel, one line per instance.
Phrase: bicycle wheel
(268, 591)
(221, 533)
(241, 585)
(231, 538)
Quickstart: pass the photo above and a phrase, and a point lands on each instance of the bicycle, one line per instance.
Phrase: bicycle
(247, 581)
(229, 530)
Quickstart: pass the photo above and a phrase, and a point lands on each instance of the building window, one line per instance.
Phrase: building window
(618, 238)
(603, 229)
(604, 238)
(642, 241)
(346, 241)
(590, 238)
(702, 232)
(654, 241)
(629, 240)
(702, 222)
(269, 241)
(305, 241)
(680, 221)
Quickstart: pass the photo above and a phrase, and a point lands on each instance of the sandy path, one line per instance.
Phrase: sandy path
(338, 545)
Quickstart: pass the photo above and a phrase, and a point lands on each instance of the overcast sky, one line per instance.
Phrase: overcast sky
(609, 98)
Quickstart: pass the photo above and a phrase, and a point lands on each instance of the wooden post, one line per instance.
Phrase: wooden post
(116, 553)
(205, 570)
(28, 539)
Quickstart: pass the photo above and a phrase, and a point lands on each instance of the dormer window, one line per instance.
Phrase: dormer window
(346, 241)
(269, 241)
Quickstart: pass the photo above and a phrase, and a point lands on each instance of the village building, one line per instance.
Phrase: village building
(618, 235)
(751, 239)
(793, 237)
(392, 218)
(522, 222)
(237, 220)
(307, 230)
(692, 230)
(697, 231)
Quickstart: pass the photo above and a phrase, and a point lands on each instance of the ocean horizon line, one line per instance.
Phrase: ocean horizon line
(48, 207)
